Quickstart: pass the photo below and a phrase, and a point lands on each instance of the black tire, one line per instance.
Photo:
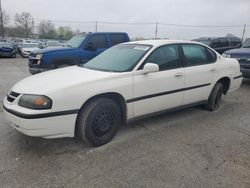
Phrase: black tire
(98, 121)
(215, 98)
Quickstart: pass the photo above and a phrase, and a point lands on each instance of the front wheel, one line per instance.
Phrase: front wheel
(98, 121)
(215, 98)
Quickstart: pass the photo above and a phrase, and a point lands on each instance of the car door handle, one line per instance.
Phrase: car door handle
(213, 69)
(179, 75)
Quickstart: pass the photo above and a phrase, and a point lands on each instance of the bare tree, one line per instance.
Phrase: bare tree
(5, 19)
(46, 30)
(23, 23)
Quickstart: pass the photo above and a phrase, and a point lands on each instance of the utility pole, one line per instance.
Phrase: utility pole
(156, 30)
(243, 33)
(1, 15)
(33, 27)
(95, 26)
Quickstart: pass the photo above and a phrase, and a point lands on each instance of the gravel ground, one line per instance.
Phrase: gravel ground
(188, 148)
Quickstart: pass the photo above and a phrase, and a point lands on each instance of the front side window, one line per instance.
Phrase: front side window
(224, 43)
(197, 55)
(167, 57)
(117, 38)
(120, 58)
(98, 41)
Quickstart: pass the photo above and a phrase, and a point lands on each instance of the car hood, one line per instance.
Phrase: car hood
(60, 79)
(52, 49)
(6, 49)
(239, 51)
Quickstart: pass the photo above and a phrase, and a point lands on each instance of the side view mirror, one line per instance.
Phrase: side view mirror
(90, 46)
(150, 67)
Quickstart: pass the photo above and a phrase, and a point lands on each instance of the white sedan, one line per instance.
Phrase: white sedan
(126, 82)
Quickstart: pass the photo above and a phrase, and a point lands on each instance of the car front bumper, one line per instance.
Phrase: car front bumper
(35, 70)
(56, 126)
(245, 71)
(7, 54)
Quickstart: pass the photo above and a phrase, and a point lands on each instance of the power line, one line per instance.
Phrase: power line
(140, 23)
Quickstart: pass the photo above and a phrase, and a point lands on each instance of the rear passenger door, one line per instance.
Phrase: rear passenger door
(200, 67)
(96, 44)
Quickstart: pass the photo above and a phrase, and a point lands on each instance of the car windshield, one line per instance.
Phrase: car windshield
(30, 45)
(75, 41)
(120, 58)
(246, 44)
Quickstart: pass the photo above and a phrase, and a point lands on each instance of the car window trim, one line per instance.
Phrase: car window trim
(179, 64)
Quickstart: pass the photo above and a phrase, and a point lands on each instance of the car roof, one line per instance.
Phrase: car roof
(214, 38)
(160, 42)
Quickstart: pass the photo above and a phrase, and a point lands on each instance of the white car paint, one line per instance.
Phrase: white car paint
(27, 50)
(70, 87)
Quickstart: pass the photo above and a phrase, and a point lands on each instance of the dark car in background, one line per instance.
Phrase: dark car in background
(243, 56)
(78, 50)
(221, 44)
(7, 50)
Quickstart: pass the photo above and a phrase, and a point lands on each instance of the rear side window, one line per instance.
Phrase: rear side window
(197, 55)
(117, 39)
(98, 41)
(167, 57)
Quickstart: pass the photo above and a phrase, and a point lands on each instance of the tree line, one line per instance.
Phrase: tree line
(24, 27)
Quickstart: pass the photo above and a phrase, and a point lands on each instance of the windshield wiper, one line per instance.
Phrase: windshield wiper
(245, 46)
(69, 45)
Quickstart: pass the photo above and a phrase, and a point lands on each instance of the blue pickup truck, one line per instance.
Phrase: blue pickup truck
(78, 50)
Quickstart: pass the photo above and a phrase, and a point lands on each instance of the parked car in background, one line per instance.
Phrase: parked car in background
(125, 82)
(243, 56)
(52, 44)
(221, 44)
(80, 49)
(7, 50)
(27, 48)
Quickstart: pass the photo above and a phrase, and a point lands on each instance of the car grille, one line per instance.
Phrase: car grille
(244, 61)
(12, 96)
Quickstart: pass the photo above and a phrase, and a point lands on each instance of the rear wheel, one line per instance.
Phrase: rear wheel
(215, 98)
(98, 121)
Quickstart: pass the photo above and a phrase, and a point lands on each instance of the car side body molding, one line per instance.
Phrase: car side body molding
(166, 93)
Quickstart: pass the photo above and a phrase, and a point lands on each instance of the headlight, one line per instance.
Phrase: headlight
(37, 102)
(39, 56)
(226, 55)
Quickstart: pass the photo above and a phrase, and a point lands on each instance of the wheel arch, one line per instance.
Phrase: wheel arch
(117, 97)
(225, 81)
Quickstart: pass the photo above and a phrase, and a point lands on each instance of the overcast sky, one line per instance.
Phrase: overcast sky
(183, 12)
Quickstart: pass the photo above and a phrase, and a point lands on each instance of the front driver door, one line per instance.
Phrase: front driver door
(161, 90)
